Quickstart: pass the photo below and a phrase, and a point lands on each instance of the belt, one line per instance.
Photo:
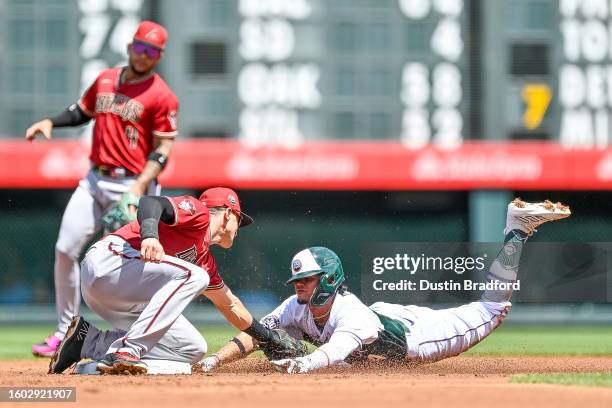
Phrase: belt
(114, 172)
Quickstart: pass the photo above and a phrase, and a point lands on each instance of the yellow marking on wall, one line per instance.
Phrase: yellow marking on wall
(537, 97)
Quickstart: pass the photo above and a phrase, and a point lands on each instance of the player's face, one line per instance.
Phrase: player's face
(143, 57)
(230, 229)
(304, 288)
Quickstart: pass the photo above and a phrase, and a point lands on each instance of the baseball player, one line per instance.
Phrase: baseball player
(135, 115)
(324, 313)
(141, 277)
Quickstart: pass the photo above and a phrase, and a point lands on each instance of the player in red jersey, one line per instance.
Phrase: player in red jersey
(141, 277)
(135, 115)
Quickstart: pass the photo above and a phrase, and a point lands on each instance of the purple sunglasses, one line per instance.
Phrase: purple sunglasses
(140, 48)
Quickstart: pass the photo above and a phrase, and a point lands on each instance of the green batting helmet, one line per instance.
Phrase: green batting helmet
(318, 261)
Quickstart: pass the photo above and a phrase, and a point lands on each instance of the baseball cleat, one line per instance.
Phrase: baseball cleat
(47, 347)
(527, 217)
(68, 352)
(105, 366)
(121, 363)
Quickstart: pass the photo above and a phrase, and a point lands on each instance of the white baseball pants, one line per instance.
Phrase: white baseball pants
(144, 299)
(438, 334)
(81, 221)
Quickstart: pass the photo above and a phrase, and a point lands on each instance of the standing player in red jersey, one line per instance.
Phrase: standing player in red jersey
(141, 277)
(135, 115)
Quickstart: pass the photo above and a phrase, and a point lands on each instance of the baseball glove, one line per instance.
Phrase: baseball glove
(283, 346)
(120, 214)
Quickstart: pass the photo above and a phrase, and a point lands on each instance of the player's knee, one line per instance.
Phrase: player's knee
(200, 278)
(199, 350)
(71, 246)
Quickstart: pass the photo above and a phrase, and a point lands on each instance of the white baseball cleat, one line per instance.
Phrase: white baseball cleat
(527, 217)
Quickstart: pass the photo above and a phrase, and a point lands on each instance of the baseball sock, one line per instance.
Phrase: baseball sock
(505, 266)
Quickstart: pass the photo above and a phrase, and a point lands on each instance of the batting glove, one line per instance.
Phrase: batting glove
(206, 365)
(298, 365)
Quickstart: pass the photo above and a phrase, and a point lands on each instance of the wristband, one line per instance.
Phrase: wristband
(240, 346)
(158, 158)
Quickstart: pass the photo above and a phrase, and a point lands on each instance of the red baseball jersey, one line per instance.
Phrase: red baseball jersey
(187, 238)
(127, 117)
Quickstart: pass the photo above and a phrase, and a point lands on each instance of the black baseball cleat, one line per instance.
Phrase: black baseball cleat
(68, 352)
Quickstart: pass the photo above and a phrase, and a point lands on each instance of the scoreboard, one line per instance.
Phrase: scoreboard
(308, 70)
(285, 72)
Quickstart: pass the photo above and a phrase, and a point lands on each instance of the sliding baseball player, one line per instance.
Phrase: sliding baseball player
(323, 313)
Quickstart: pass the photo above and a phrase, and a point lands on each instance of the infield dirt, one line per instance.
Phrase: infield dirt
(457, 382)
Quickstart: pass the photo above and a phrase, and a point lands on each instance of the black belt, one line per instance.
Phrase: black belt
(114, 172)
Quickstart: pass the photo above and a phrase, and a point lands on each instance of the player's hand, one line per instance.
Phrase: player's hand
(151, 250)
(299, 365)
(44, 126)
(206, 365)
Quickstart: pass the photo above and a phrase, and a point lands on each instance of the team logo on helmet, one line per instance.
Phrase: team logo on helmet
(187, 206)
(152, 35)
(296, 265)
(232, 199)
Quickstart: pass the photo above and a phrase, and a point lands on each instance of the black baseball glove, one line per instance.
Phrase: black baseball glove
(282, 346)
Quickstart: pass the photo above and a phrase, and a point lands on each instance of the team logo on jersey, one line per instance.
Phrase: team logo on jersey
(231, 199)
(296, 265)
(126, 108)
(190, 255)
(172, 119)
(187, 206)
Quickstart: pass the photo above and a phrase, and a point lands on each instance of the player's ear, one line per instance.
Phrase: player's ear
(227, 212)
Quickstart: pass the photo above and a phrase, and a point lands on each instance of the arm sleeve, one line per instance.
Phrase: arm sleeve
(72, 116)
(166, 118)
(159, 208)
(151, 210)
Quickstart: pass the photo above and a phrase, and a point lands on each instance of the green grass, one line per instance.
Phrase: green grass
(583, 379)
(547, 340)
(15, 341)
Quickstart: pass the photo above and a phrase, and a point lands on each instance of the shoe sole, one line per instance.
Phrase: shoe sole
(122, 368)
(546, 204)
(69, 333)
(42, 355)
(129, 368)
(528, 216)
(104, 369)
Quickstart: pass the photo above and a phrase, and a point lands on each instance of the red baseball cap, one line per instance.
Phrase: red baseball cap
(225, 197)
(152, 34)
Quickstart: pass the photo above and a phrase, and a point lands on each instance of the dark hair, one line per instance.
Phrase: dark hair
(343, 289)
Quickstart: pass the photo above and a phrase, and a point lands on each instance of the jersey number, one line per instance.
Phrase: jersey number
(132, 134)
